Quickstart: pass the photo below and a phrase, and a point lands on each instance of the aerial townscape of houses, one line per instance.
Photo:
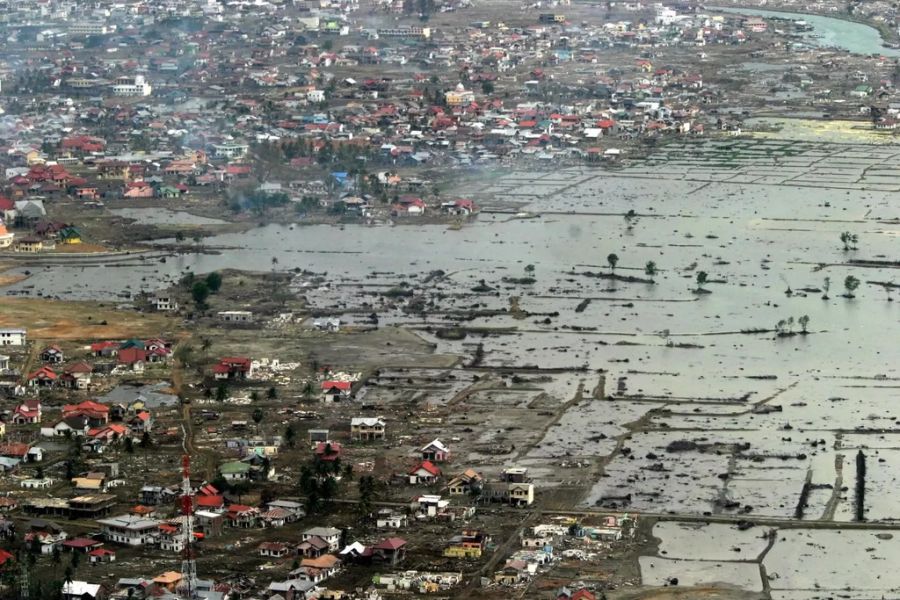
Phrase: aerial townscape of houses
(219, 438)
(331, 110)
(80, 420)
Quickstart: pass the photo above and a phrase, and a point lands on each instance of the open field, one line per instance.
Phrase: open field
(57, 320)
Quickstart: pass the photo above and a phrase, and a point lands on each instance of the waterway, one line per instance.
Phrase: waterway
(829, 32)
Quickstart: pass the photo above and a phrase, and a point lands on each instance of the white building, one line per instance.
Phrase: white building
(12, 337)
(367, 428)
(138, 87)
(80, 590)
(88, 28)
(164, 302)
(665, 15)
(230, 150)
(329, 535)
(130, 530)
(235, 316)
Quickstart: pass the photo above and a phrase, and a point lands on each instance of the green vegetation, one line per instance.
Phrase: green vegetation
(850, 284)
(849, 240)
(318, 481)
(612, 260)
(200, 293)
(702, 278)
(214, 282)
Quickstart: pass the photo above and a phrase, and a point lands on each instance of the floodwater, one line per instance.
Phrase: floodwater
(800, 564)
(759, 216)
(829, 32)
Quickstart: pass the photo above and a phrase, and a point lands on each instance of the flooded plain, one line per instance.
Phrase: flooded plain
(655, 392)
(789, 564)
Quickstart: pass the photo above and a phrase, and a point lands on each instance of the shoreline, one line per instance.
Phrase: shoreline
(882, 30)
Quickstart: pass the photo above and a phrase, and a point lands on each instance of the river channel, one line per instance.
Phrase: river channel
(829, 32)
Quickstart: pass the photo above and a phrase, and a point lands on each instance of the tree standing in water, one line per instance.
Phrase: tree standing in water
(612, 260)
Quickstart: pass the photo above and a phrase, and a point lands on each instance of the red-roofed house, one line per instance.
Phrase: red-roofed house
(109, 433)
(392, 550)
(233, 367)
(81, 544)
(328, 451)
(132, 357)
(141, 422)
(335, 391)
(27, 413)
(274, 549)
(101, 555)
(24, 452)
(105, 349)
(43, 377)
(207, 489)
(97, 414)
(210, 502)
(425, 472)
(240, 515)
(77, 376)
(138, 189)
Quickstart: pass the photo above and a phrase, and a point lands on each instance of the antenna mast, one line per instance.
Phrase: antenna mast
(188, 564)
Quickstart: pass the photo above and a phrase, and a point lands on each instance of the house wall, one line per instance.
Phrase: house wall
(129, 538)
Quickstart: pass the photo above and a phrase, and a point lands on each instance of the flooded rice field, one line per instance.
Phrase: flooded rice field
(789, 564)
(643, 391)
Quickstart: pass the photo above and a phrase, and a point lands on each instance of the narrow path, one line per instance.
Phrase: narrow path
(763, 573)
(831, 506)
(578, 397)
(722, 499)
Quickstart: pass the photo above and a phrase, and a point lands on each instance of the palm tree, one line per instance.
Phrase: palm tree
(781, 328)
(184, 354)
(849, 240)
(612, 259)
(274, 265)
(850, 284)
(826, 285)
(702, 278)
(650, 270)
(290, 435)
